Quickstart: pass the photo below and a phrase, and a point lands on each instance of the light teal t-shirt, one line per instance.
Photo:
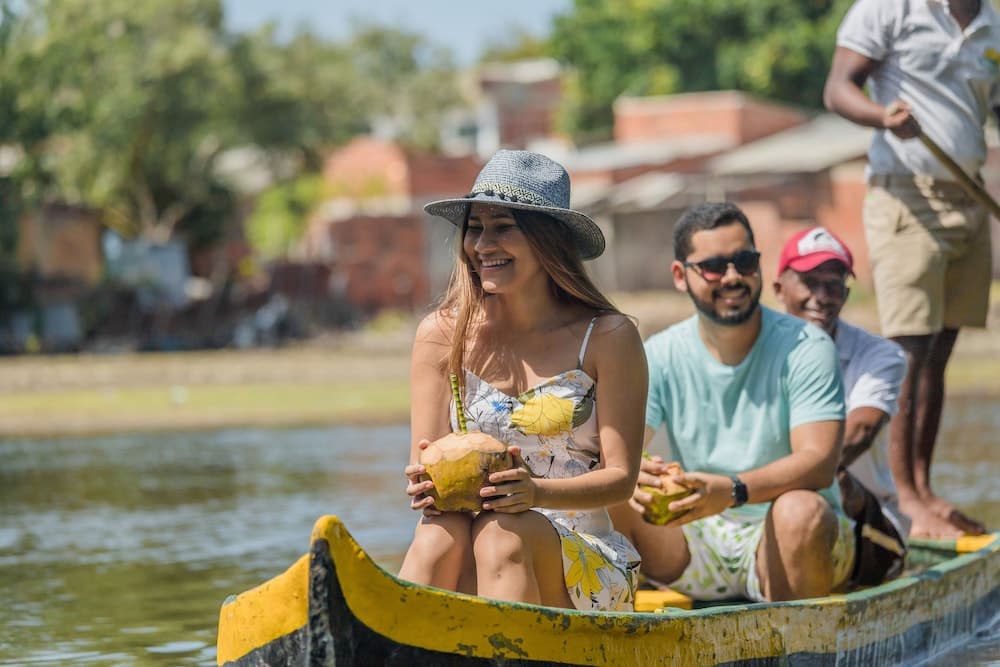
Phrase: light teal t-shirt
(729, 419)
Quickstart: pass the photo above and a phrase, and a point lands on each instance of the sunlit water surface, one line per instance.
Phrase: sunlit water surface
(119, 550)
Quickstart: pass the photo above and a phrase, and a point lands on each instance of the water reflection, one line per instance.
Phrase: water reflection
(119, 550)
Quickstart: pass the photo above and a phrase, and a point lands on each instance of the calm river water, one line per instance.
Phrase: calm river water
(119, 550)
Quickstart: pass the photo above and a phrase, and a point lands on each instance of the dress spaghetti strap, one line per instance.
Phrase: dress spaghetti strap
(586, 339)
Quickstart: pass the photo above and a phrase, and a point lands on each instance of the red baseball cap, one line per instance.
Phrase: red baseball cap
(811, 247)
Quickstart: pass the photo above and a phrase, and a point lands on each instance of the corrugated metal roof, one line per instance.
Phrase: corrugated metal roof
(822, 143)
(620, 156)
(648, 192)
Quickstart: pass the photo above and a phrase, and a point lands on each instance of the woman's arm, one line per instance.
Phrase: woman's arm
(430, 389)
(429, 395)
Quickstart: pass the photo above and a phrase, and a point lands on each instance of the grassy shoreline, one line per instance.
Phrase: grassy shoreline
(351, 379)
(360, 401)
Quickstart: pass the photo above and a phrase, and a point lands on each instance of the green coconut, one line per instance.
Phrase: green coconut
(460, 464)
(658, 510)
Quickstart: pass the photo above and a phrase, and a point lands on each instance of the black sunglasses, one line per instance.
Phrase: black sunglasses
(746, 263)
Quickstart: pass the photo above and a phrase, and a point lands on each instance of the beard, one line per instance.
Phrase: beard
(731, 319)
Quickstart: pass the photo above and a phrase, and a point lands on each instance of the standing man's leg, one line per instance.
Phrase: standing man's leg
(930, 250)
(913, 432)
(928, 421)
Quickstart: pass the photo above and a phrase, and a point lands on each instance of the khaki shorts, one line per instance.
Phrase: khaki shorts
(929, 244)
(723, 552)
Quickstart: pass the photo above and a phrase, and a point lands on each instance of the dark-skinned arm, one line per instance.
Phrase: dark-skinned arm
(860, 430)
(844, 94)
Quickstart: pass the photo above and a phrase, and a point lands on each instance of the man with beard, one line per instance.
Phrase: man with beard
(753, 407)
(812, 284)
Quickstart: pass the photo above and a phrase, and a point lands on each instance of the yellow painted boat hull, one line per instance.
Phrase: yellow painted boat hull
(335, 606)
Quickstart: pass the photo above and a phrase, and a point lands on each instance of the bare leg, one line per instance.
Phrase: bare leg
(795, 555)
(664, 550)
(519, 558)
(928, 421)
(927, 408)
(441, 553)
(913, 432)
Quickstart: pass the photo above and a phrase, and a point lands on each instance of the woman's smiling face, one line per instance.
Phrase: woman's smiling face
(498, 249)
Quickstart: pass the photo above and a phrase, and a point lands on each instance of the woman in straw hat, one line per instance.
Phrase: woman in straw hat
(549, 367)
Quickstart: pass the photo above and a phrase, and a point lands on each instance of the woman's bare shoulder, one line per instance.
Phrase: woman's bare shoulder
(436, 328)
(615, 326)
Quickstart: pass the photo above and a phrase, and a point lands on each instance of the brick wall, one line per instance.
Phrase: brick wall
(438, 176)
(367, 167)
(526, 112)
(62, 242)
(731, 114)
(374, 262)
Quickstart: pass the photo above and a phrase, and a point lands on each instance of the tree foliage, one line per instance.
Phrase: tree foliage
(513, 44)
(281, 214)
(772, 48)
(126, 107)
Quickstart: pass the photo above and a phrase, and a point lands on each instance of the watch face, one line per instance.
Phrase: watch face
(739, 491)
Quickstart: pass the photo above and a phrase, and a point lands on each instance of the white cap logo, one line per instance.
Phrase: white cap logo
(819, 240)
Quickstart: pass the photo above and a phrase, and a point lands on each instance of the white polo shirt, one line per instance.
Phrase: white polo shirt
(950, 77)
(872, 369)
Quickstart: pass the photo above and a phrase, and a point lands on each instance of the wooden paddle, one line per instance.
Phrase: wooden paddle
(971, 186)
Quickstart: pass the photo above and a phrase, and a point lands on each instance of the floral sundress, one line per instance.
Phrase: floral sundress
(555, 424)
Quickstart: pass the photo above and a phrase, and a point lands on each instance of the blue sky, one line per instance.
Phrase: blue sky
(465, 27)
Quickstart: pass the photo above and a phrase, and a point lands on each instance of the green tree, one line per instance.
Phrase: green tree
(127, 96)
(515, 43)
(406, 82)
(126, 107)
(281, 215)
(303, 95)
(772, 48)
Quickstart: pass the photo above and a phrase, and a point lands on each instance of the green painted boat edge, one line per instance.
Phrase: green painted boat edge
(335, 629)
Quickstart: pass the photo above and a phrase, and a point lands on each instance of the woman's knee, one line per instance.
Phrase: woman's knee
(443, 534)
(508, 537)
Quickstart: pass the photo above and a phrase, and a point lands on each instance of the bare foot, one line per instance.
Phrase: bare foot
(925, 523)
(945, 510)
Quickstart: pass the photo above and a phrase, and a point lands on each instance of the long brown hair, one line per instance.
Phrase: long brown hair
(549, 239)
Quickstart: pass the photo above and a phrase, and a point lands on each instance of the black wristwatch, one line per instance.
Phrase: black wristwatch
(740, 493)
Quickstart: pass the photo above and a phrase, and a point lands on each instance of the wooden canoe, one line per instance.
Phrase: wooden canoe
(335, 606)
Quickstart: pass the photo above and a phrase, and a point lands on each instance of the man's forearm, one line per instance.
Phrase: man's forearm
(862, 427)
(800, 470)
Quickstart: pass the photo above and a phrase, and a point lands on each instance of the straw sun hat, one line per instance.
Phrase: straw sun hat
(527, 181)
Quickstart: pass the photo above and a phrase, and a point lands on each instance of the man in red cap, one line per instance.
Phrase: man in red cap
(812, 284)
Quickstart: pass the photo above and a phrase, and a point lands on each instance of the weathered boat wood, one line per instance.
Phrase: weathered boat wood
(335, 606)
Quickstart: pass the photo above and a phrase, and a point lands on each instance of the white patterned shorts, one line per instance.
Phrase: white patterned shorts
(724, 557)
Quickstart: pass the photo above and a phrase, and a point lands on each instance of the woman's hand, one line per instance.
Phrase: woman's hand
(650, 469)
(511, 491)
(417, 489)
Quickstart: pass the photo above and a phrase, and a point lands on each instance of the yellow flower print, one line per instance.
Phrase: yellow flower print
(543, 414)
(992, 55)
(586, 562)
